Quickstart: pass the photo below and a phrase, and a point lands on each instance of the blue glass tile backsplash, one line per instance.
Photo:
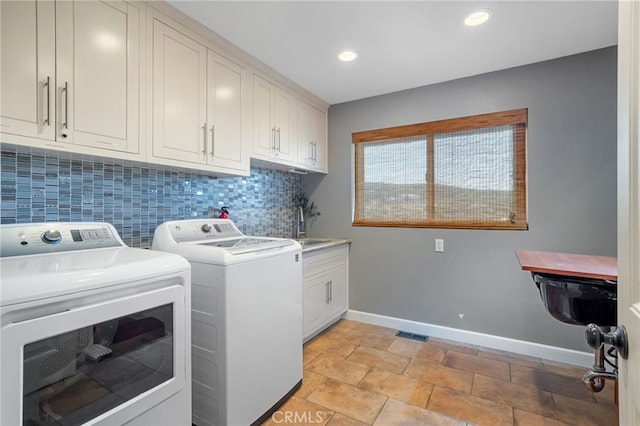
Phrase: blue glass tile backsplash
(39, 185)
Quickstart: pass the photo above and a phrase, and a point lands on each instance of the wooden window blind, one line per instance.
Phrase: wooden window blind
(467, 172)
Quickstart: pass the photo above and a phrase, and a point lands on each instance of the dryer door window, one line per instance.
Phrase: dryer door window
(104, 363)
(73, 377)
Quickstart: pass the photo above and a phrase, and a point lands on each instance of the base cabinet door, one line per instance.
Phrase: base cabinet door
(315, 304)
(326, 289)
(338, 292)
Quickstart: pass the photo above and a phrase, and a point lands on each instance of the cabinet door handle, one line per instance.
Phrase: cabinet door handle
(326, 292)
(47, 120)
(330, 290)
(213, 138)
(204, 148)
(273, 139)
(65, 123)
(278, 132)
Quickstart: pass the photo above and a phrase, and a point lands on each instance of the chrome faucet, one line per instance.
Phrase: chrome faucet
(300, 229)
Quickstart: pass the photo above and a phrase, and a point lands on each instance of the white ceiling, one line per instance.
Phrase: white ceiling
(402, 44)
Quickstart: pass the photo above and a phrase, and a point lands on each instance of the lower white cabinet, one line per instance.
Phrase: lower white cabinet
(326, 287)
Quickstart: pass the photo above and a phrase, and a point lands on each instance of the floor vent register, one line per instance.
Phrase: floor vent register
(412, 336)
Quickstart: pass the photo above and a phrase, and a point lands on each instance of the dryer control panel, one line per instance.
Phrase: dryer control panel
(39, 238)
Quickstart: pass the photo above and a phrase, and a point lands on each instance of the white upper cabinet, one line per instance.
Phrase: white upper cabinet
(228, 111)
(179, 111)
(81, 85)
(200, 106)
(84, 75)
(312, 137)
(27, 67)
(273, 121)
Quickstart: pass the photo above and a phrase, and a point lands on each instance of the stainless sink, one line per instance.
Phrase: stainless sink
(306, 242)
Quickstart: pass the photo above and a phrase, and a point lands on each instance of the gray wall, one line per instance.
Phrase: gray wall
(571, 152)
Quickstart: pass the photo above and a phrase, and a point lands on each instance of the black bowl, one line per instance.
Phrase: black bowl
(578, 301)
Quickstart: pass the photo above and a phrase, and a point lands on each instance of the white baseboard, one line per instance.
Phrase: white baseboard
(521, 347)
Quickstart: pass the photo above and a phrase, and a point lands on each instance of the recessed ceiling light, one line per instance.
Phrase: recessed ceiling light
(347, 56)
(477, 17)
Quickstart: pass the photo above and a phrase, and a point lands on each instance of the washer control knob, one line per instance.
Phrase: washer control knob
(51, 237)
(206, 228)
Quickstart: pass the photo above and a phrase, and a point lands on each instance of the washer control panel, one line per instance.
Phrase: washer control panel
(38, 238)
(203, 229)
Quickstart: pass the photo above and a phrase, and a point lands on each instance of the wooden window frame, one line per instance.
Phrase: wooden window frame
(516, 118)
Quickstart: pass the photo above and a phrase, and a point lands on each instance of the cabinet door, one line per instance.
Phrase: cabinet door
(27, 68)
(227, 114)
(311, 137)
(315, 297)
(338, 292)
(273, 122)
(179, 96)
(284, 106)
(98, 74)
(263, 118)
(319, 138)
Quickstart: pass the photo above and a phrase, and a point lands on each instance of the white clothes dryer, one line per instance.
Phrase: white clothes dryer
(93, 332)
(246, 319)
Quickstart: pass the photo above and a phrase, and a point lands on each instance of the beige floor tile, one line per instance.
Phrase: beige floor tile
(565, 369)
(399, 413)
(431, 353)
(399, 387)
(310, 382)
(475, 364)
(526, 418)
(338, 368)
(342, 420)
(376, 329)
(326, 344)
(551, 382)
(377, 337)
(511, 358)
(440, 375)
(360, 404)
(469, 408)
(380, 359)
(309, 355)
(405, 347)
(453, 346)
(579, 412)
(349, 324)
(298, 411)
(526, 397)
(346, 334)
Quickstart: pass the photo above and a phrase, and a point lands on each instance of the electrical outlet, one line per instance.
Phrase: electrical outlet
(439, 245)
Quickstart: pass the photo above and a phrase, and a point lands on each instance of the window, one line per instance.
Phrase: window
(465, 172)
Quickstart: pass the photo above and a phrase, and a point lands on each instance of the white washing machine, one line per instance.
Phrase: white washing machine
(93, 332)
(246, 319)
